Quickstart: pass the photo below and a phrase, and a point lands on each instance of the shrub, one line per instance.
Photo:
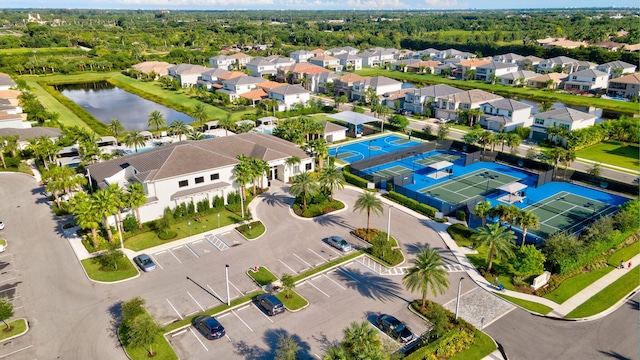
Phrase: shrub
(353, 179)
(381, 248)
(460, 232)
(218, 202)
(461, 215)
(167, 234)
(191, 209)
(412, 204)
(130, 223)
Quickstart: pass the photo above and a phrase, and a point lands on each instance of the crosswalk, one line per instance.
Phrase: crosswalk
(381, 269)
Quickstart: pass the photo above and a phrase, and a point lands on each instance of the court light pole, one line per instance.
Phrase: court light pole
(226, 273)
(218, 219)
(458, 297)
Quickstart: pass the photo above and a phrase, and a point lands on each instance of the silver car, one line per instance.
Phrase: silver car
(145, 262)
(338, 243)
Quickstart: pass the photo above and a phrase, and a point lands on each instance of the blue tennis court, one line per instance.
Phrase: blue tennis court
(367, 148)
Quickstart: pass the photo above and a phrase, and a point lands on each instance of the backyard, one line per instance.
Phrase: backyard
(625, 155)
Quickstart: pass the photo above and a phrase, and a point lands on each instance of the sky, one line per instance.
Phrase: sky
(314, 4)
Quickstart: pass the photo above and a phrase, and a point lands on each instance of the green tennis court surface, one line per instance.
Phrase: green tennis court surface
(468, 187)
(401, 141)
(346, 154)
(392, 171)
(566, 212)
(437, 158)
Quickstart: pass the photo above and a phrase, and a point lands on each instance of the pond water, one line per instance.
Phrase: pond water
(105, 102)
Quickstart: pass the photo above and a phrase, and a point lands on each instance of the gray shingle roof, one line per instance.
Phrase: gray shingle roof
(508, 104)
(472, 97)
(437, 90)
(565, 114)
(29, 133)
(289, 90)
(589, 73)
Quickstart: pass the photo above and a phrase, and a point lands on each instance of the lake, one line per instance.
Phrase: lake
(105, 102)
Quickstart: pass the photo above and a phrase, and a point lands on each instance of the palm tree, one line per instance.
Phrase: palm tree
(119, 200)
(287, 348)
(87, 215)
(199, 114)
(336, 352)
(105, 203)
(157, 120)
(195, 135)
(135, 139)
(178, 127)
(136, 197)
(259, 169)
(513, 141)
(546, 105)
(321, 149)
(481, 210)
(304, 184)
(367, 201)
(568, 157)
(227, 124)
(115, 127)
(555, 154)
(331, 178)
(500, 211)
(427, 272)
(527, 220)
(474, 114)
(498, 239)
(243, 173)
(291, 162)
(362, 341)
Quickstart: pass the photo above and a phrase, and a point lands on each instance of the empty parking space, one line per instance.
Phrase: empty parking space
(183, 305)
(7, 269)
(166, 259)
(202, 247)
(232, 238)
(185, 253)
(320, 287)
(291, 264)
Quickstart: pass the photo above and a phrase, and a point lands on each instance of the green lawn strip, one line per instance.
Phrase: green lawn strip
(482, 346)
(3, 242)
(296, 302)
(41, 51)
(326, 266)
(615, 153)
(608, 296)
(92, 267)
(575, 284)
(461, 234)
(19, 326)
(263, 276)
(529, 305)
(160, 346)
(624, 254)
(503, 90)
(504, 276)
(251, 230)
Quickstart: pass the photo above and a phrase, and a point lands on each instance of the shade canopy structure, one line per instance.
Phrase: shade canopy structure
(353, 117)
(513, 187)
(441, 165)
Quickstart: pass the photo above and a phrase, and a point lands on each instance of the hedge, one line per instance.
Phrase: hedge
(412, 204)
(353, 179)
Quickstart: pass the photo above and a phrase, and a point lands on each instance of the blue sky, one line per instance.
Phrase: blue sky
(312, 4)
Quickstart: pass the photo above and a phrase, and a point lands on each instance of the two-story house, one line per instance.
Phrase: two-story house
(380, 84)
(350, 62)
(193, 171)
(529, 63)
(616, 68)
(417, 100)
(509, 58)
(423, 66)
(327, 62)
(289, 95)
(586, 80)
(343, 85)
(295, 73)
(370, 59)
(260, 67)
(519, 77)
(492, 70)
(427, 54)
(547, 81)
(453, 53)
(343, 50)
(281, 62)
(209, 79)
(624, 87)
(241, 60)
(563, 64)
(301, 56)
(464, 66)
(505, 115)
(187, 74)
(222, 62)
(159, 68)
(567, 118)
(447, 106)
(239, 85)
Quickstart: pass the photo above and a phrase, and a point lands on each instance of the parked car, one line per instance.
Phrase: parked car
(270, 304)
(338, 243)
(1, 225)
(145, 262)
(394, 328)
(209, 327)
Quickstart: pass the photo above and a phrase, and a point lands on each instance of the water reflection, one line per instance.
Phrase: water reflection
(105, 102)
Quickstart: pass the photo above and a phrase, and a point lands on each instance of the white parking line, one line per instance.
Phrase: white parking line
(192, 251)
(17, 351)
(156, 261)
(349, 275)
(197, 338)
(288, 267)
(331, 248)
(174, 255)
(242, 308)
(317, 288)
(228, 338)
(241, 293)
(196, 301)
(197, 241)
(179, 332)
(223, 315)
(309, 265)
(214, 293)
(239, 318)
(335, 282)
(174, 309)
(318, 255)
(263, 314)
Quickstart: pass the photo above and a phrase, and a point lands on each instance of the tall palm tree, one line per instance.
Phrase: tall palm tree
(199, 114)
(426, 273)
(243, 173)
(474, 114)
(369, 202)
(336, 352)
(513, 141)
(362, 341)
(321, 149)
(227, 124)
(86, 214)
(119, 200)
(304, 184)
(259, 169)
(179, 128)
(287, 348)
(157, 121)
(135, 139)
(500, 211)
(568, 157)
(331, 178)
(195, 135)
(498, 239)
(105, 203)
(527, 220)
(135, 198)
(481, 210)
(115, 127)
(555, 155)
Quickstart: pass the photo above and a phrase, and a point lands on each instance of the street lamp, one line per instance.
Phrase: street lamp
(218, 220)
(458, 297)
(389, 223)
(226, 273)
(189, 223)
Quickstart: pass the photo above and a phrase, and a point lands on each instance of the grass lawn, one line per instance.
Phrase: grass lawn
(529, 305)
(616, 153)
(296, 302)
(126, 270)
(608, 296)
(624, 254)
(482, 347)
(461, 234)
(160, 346)
(251, 230)
(19, 326)
(479, 260)
(263, 276)
(3, 242)
(574, 285)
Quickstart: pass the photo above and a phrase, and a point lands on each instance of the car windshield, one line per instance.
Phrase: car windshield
(398, 328)
(145, 261)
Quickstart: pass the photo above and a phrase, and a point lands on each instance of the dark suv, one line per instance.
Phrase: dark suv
(270, 303)
(209, 327)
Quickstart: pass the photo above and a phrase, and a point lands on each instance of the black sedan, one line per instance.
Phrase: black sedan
(209, 327)
(394, 328)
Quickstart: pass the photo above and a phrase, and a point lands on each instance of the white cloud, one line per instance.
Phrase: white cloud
(375, 4)
(440, 4)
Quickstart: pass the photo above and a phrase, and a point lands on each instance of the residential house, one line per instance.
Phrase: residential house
(239, 85)
(551, 80)
(505, 115)
(586, 80)
(6, 82)
(11, 120)
(344, 84)
(529, 63)
(318, 82)
(453, 53)
(423, 66)
(616, 68)
(319, 52)
(160, 68)
(520, 77)
(295, 73)
(610, 45)
(343, 50)
(289, 95)
(327, 62)
(380, 84)
(403, 64)
(427, 54)
(447, 106)
(193, 171)
(268, 85)
(222, 62)
(509, 58)
(281, 62)
(492, 70)
(187, 74)
(624, 87)
(464, 66)
(445, 68)
(569, 44)
(567, 118)
(418, 99)
(334, 132)
(209, 79)
(27, 133)
(350, 62)
(255, 96)
(301, 56)
(370, 59)
(241, 59)
(394, 100)
(259, 67)
(558, 64)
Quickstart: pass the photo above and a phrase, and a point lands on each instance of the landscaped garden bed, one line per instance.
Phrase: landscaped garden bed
(251, 230)
(109, 267)
(262, 276)
(385, 251)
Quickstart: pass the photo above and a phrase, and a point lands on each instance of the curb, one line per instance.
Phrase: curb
(300, 309)
(22, 333)
(608, 311)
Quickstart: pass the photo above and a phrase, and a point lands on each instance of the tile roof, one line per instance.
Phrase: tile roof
(289, 90)
(472, 97)
(267, 85)
(257, 94)
(379, 81)
(350, 78)
(589, 73)
(526, 74)
(9, 94)
(556, 77)
(230, 75)
(437, 90)
(474, 62)
(239, 56)
(158, 67)
(509, 104)
(214, 73)
(331, 127)
(188, 69)
(627, 79)
(565, 114)
(497, 65)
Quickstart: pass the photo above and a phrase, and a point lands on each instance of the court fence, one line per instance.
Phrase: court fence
(599, 182)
